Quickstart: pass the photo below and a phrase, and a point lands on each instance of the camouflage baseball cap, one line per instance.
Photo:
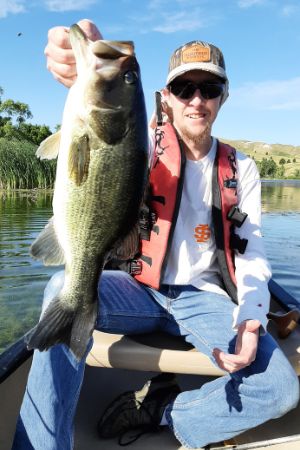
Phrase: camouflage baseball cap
(198, 55)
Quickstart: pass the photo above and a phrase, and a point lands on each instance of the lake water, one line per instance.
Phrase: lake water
(22, 280)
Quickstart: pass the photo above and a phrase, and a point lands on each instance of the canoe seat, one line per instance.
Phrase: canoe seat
(160, 352)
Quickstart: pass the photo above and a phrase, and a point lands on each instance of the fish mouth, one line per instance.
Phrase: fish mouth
(112, 49)
(103, 48)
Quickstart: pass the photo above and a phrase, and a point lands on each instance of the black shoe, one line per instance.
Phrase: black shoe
(138, 410)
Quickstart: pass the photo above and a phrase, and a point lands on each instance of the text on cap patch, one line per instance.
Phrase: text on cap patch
(196, 53)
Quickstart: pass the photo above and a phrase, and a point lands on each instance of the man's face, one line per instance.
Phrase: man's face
(193, 117)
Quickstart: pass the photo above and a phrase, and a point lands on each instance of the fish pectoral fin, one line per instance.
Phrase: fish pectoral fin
(47, 248)
(49, 148)
(127, 247)
(79, 159)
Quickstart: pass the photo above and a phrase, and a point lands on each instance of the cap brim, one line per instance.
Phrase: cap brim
(206, 67)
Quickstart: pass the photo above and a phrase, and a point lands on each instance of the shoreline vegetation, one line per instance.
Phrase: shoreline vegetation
(19, 140)
(21, 169)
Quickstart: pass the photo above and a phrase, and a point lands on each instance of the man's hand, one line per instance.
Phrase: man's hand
(245, 348)
(60, 57)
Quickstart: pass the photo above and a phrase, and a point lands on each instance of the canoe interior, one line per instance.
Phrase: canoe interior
(101, 385)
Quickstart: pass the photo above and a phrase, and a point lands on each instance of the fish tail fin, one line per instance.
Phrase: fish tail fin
(61, 326)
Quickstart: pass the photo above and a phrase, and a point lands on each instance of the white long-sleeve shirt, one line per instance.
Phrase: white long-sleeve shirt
(192, 258)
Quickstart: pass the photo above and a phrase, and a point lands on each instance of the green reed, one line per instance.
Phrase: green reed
(21, 169)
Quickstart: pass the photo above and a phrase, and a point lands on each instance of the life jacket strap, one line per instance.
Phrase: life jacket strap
(236, 216)
(147, 221)
(158, 109)
(237, 243)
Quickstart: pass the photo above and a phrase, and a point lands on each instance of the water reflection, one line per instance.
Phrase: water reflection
(22, 280)
(281, 196)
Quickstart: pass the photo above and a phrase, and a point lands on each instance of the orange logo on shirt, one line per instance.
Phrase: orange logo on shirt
(202, 233)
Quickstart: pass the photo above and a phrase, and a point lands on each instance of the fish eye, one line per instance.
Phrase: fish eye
(130, 77)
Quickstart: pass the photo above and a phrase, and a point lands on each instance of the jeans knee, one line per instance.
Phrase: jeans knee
(293, 388)
(285, 392)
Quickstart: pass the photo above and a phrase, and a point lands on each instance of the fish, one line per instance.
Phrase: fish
(101, 177)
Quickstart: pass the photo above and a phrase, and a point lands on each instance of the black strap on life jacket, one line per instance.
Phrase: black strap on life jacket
(237, 217)
(158, 109)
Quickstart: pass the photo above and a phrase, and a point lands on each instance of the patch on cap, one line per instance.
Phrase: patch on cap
(196, 53)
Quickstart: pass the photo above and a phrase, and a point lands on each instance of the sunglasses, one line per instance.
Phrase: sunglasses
(186, 89)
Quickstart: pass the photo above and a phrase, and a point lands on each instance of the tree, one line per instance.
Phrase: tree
(282, 161)
(13, 117)
(267, 168)
(280, 171)
(19, 111)
(34, 133)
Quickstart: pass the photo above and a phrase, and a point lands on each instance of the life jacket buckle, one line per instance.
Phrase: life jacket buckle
(135, 267)
(236, 216)
(230, 183)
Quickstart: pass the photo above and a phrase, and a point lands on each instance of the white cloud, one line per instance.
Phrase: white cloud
(290, 10)
(249, 3)
(273, 95)
(11, 7)
(68, 5)
(170, 23)
(185, 15)
(157, 4)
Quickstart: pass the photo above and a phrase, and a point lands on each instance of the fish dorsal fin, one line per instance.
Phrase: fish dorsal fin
(49, 148)
(79, 159)
(46, 247)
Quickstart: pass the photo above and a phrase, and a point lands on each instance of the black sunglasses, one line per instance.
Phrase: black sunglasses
(185, 89)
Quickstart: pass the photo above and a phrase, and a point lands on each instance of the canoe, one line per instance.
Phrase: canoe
(118, 363)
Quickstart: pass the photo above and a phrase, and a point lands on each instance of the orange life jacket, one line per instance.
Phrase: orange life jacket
(166, 182)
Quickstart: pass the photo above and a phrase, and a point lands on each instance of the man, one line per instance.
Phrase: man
(184, 291)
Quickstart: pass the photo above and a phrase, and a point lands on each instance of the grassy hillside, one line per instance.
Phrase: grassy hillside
(260, 150)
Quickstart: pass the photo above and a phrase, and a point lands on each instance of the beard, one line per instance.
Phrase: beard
(198, 138)
(185, 133)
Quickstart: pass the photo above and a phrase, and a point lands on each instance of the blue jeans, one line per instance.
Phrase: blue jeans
(232, 403)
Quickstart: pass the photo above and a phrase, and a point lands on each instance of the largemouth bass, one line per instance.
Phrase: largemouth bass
(101, 175)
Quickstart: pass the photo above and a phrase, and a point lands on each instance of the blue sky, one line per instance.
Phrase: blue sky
(260, 40)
